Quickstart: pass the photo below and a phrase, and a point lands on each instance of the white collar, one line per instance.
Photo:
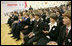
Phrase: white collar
(32, 19)
(47, 16)
(69, 28)
(37, 20)
(55, 24)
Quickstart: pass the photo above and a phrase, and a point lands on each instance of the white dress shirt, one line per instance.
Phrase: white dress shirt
(32, 19)
(51, 25)
(69, 28)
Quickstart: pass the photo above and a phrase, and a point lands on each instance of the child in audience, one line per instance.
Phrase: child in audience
(50, 32)
(64, 37)
(36, 32)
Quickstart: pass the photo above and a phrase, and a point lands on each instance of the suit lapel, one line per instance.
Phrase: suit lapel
(53, 28)
(37, 23)
(68, 39)
(69, 35)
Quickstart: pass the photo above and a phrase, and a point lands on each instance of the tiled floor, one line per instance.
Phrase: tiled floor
(5, 38)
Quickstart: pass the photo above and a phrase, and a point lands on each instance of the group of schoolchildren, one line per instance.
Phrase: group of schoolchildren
(49, 26)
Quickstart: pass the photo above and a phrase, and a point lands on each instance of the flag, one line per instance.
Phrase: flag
(25, 4)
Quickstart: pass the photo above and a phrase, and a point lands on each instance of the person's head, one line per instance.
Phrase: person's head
(23, 14)
(57, 12)
(30, 6)
(53, 17)
(47, 14)
(19, 15)
(67, 18)
(41, 12)
(26, 10)
(37, 15)
(11, 13)
(69, 7)
(64, 8)
(31, 15)
(15, 12)
(26, 15)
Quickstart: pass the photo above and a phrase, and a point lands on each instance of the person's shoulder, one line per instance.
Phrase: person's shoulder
(28, 18)
(41, 20)
(64, 26)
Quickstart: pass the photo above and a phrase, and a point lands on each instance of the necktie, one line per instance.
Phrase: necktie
(66, 36)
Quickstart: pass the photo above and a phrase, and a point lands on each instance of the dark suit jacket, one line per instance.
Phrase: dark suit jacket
(26, 22)
(60, 21)
(62, 34)
(43, 16)
(29, 29)
(31, 26)
(15, 18)
(23, 23)
(31, 8)
(47, 20)
(53, 33)
(10, 20)
(38, 27)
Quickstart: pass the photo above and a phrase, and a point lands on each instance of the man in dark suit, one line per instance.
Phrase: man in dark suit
(50, 31)
(14, 27)
(64, 37)
(17, 27)
(29, 28)
(60, 21)
(65, 32)
(47, 18)
(30, 8)
(25, 24)
(36, 32)
(43, 16)
(22, 26)
(61, 9)
(13, 18)
(10, 16)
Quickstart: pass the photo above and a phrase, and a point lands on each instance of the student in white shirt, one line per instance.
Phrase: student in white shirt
(50, 32)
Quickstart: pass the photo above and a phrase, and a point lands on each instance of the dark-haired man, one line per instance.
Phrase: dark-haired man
(36, 32)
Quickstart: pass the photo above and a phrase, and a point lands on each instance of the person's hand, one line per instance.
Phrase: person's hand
(52, 43)
(46, 32)
(31, 36)
(25, 27)
(30, 33)
(20, 19)
(15, 22)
